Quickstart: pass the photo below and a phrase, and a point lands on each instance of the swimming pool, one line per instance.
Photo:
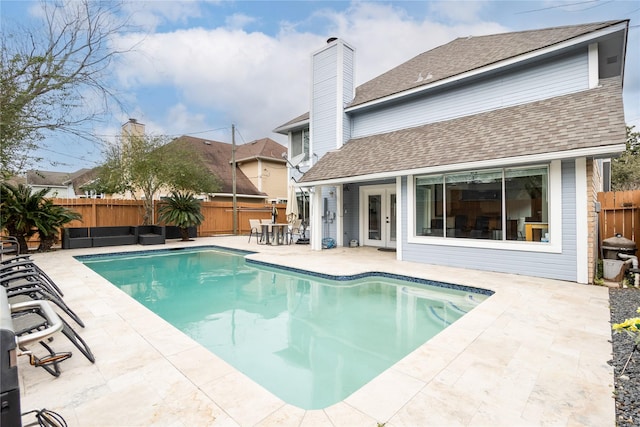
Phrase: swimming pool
(310, 340)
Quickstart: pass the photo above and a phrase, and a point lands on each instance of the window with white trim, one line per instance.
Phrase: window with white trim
(300, 143)
(496, 204)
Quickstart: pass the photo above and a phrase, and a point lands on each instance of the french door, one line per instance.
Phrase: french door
(378, 216)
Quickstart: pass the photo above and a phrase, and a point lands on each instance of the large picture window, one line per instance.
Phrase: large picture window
(496, 204)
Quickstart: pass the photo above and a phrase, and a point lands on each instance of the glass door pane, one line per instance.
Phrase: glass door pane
(392, 217)
(374, 217)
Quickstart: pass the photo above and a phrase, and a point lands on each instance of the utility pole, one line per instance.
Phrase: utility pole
(233, 179)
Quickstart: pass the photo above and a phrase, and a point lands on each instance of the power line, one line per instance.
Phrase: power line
(557, 6)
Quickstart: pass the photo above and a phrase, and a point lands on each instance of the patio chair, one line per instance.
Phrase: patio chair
(294, 230)
(256, 229)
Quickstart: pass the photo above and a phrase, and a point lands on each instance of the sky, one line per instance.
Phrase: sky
(200, 66)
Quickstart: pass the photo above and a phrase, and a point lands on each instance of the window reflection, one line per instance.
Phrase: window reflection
(497, 204)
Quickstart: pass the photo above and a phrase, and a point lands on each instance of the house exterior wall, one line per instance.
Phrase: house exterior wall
(564, 75)
(273, 179)
(251, 170)
(594, 178)
(350, 217)
(55, 192)
(570, 252)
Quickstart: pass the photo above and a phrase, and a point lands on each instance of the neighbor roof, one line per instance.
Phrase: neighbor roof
(216, 156)
(265, 148)
(52, 179)
(587, 119)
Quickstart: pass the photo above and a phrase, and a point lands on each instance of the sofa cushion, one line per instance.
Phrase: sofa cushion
(112, 231)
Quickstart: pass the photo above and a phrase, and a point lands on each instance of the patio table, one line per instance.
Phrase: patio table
(274, 234)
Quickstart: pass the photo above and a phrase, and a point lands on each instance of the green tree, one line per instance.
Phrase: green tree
(145, 165)
(53, 77)
(23, 214)
(625, 170)
(181, 209)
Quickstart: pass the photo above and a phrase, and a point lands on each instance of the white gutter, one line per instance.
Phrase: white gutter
(504, 63)
(285, 129)
(604, 151)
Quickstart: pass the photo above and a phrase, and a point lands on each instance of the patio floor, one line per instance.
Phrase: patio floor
(535, 353)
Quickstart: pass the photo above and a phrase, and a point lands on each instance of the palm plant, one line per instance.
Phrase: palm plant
(183, 211)
(53, 217)
(19, 212)
(23, 214)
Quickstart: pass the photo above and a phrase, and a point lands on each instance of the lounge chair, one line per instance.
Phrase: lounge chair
(33, 321)
(24, 264)
(21, 287)
(9, 245)
(22, 313)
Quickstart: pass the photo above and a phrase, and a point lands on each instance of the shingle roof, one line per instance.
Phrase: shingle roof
(587, 119)
(466, 54)
(51, 178)
(291, 123)
(217, 155)
(265, 148)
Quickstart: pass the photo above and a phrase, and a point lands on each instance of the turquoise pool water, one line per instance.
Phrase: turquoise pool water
(310, 340)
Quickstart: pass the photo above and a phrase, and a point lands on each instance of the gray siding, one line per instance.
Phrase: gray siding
(324, 105)
(347, 90)
(329, 209)
(351, 204)
(554, 266)
(553, 78)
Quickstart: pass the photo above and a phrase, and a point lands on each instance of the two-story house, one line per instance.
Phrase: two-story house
(485, 153)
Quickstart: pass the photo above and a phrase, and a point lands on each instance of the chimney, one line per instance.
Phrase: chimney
(133, 128)
(332, 82)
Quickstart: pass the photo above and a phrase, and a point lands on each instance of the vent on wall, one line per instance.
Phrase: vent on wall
(612, 59)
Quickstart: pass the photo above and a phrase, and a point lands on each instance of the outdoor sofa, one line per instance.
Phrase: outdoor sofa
(151, 234)
(113, 236)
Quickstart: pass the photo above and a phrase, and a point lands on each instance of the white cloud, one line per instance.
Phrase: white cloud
(238, 21)
(148, 15)
(458, 11)
(259, 81)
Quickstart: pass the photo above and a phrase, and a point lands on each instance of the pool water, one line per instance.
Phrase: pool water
(309, 340)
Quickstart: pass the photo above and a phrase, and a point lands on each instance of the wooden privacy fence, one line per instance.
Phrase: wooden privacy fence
(218, 216)
(619, 213)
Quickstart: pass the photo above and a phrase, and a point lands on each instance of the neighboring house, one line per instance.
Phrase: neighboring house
(57, 184)
(263, 163)
(261, 173)
(484, 153)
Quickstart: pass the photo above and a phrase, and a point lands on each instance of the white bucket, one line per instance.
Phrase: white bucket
(611, 268)
(353, 243)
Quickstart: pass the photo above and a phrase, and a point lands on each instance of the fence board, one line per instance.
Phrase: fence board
(218, 216)
(619, 214)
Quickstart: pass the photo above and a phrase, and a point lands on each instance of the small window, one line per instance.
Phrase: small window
(300, 144)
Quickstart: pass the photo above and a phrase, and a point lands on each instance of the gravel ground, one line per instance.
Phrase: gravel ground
(624, 303)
